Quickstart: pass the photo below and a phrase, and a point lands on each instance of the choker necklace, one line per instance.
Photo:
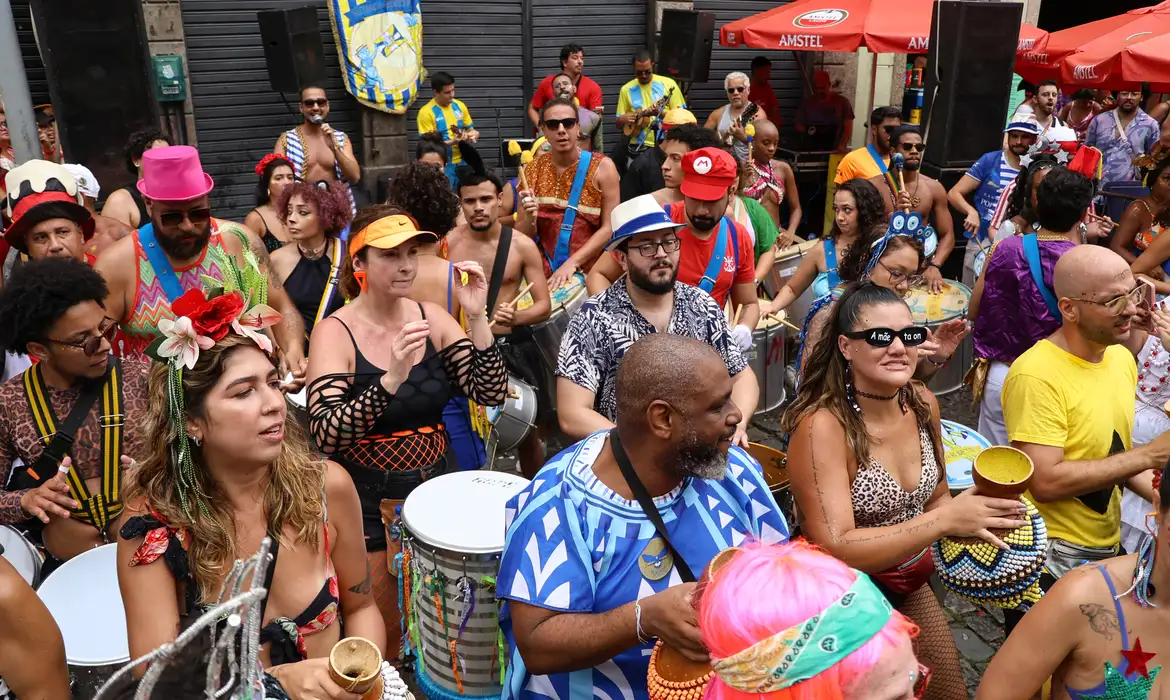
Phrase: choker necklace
(313, 254)
(878, 397)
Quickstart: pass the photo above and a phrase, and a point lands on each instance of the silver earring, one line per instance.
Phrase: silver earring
(196, 440)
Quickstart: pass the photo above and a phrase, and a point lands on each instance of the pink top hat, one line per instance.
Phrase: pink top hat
(173, 174)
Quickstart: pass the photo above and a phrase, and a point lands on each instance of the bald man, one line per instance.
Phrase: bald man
(587, 578)
(772, 182)
(1069, 404)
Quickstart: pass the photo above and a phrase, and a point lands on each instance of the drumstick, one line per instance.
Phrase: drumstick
(902, 186)
(783, 321)
(738, 313)
(523, 291)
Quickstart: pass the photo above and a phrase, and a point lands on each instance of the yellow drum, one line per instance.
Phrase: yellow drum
(933, 310)
(787, 260)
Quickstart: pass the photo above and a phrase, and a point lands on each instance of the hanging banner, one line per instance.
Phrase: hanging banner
(379, 44)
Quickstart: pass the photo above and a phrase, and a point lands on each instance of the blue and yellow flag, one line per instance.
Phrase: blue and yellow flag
(379, 43)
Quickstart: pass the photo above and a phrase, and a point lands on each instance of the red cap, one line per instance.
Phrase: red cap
(708, 173)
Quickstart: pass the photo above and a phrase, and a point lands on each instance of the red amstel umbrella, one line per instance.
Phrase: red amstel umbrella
(1098, 63)
(1151, 60)
(882, 26)
(1044, 61)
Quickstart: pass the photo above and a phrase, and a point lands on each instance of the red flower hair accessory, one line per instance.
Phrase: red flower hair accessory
(267, 160)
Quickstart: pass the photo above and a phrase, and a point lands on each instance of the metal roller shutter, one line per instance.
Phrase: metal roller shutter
(237, 115)
(705, 98)
(34, 69)
(480, 45)
(609, 32)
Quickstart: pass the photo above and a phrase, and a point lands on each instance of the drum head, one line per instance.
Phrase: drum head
(84, 600)
(17, 551)
(961, 446)
(461, 512)
(933, 309)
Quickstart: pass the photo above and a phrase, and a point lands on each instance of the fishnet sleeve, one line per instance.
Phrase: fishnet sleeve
(337, 421)
(480, 375)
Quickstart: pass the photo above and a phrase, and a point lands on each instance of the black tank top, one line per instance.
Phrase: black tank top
(306, 286)
(271, 242)
(140, 201)
(418, 403)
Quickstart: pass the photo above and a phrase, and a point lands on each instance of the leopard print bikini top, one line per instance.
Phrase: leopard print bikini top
(879, 500)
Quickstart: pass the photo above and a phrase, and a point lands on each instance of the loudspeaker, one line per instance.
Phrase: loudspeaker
(684, 45)
(293, 50)
(969, 78)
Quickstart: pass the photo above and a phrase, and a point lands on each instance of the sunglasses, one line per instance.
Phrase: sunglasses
(556, 124)
(911, 336)
(734, 90)
(648, 250)
(197, 217)
(1117, 304)
(889, 129)
(320, 102)
(916, 147)
(921, 680)
(93, 345)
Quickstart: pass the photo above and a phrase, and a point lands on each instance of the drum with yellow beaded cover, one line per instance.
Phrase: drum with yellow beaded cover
(933, 310)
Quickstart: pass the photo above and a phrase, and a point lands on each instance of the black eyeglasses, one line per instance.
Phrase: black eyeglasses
(649, 250)
(197, 217)
(556, 124)
(897, 276)
(915, 147)
(735, 89)
(911, 336)
(93, 345)
(320, 102)
(643, 73)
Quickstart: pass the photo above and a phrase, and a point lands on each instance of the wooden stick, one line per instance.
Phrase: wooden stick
(902, 187)
(523, 291)
(738, 313)
(523, 180)
(783, 321)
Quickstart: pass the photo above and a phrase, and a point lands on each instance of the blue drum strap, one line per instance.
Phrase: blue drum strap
(163, 270)
(1032, 255)
(562, 252)
(718, 255)
(834, 278)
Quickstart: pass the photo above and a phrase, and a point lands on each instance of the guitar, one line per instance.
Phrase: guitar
(643, 117)
(744, 119)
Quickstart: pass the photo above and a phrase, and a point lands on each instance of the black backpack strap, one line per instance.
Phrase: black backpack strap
(58, 438)
(647, 503)
(498, 268)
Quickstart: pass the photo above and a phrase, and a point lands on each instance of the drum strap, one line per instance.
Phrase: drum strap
(718, 257)
(162, 267)
(331, 284)
(562, 252)
(96, 510)
(1032, 255)
(647, 503)
(499, 266)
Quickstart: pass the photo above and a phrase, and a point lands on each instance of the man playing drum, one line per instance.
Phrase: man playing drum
(508, 261)
(603, 548)
(647, 300)
(76, 411)
(572, 193)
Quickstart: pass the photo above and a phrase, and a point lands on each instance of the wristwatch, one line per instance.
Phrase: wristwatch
(934, 265)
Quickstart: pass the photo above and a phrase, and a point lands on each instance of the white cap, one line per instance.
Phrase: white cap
(87, 184)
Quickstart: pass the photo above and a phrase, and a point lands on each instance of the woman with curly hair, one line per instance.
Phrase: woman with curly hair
(311, 270)
(225, 468)
(276, 173)
(867, 470)
(858, 210)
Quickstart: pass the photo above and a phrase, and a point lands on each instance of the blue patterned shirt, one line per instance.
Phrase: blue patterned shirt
(575, 546)
(1119, 153)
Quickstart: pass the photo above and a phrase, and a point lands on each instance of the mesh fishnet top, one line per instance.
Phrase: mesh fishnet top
(353, 418)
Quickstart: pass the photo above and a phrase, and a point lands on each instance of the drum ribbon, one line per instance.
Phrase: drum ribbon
(489, 582)
(403, 584)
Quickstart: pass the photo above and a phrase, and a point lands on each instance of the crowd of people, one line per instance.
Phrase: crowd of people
(195, 390)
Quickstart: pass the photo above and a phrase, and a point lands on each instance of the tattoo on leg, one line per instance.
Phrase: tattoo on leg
(1102, 620)
(365, 586)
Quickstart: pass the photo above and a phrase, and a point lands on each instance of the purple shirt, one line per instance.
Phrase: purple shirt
(1141, 135)
(1012, 314)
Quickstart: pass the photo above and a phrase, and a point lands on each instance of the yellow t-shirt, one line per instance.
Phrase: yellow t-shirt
(635, 96)
(452, 115)
(858, 163)
(1053, 398)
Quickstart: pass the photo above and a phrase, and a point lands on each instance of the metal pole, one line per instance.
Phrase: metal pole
(18, 107)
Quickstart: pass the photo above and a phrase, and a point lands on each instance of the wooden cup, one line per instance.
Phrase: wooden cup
(355, 664)
(1002, 472)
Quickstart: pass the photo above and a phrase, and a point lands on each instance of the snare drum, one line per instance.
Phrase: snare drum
(933, 310)
(787, 260)
(453, 537)
(512, 422)
(21, 553)
(766, 358)
(960, 447)
(84, 600)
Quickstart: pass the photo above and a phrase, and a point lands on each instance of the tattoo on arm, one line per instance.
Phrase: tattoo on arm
(365, 586)
(1102, 620)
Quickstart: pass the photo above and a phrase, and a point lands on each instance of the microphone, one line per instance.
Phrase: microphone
(316, 119)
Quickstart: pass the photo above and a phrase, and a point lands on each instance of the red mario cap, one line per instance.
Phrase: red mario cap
(708, 173)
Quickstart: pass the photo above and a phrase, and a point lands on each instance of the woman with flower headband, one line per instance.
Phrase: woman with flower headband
(275, 173)
(798, 592)
(225, 469)
(314, 217)
(1100, 631)
(867, 470)
(382, 370)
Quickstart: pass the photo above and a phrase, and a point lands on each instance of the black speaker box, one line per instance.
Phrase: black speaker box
(293, 50)
(684, 45)
(969, 78)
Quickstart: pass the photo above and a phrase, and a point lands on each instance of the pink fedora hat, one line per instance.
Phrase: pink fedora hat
(173, 174)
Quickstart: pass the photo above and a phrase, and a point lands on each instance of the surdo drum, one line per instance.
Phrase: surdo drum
(21, 553)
